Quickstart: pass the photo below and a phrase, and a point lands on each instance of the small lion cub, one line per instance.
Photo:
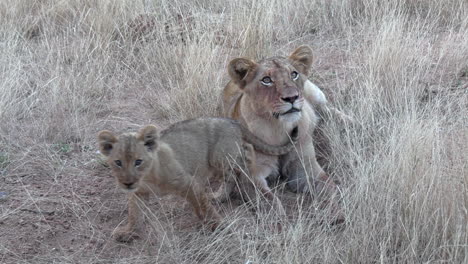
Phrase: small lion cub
(179, 160)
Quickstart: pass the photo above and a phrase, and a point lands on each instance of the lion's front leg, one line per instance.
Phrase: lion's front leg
(301, 169)
(129, 231)
(304, 174)
(292, 169)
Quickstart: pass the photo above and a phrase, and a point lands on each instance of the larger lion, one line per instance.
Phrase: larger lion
(269, 98)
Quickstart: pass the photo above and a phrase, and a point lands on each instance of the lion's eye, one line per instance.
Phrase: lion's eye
(266, 81)
(118, 163)
(138, 162)
(294, 75)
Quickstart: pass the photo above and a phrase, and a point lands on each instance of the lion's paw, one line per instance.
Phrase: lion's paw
(123, 234)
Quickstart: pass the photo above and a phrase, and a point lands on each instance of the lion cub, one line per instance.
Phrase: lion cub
(179, 159)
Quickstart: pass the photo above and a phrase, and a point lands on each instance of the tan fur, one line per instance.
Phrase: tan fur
(232, 94)
(179, 161)
(263, 108)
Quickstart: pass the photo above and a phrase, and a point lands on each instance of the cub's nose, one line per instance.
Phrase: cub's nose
(128, 185)
(290, 99)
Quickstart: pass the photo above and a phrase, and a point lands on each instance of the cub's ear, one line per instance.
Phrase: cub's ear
(149, 135)
(239, 70)
(106, 141)
(302, 59)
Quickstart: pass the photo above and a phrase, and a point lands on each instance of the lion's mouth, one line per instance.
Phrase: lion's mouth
(290, 111)
(130, 187)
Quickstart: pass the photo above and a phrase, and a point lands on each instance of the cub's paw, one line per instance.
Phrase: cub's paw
(123, 234)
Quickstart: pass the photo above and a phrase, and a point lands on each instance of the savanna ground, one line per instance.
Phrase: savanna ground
(71, 68)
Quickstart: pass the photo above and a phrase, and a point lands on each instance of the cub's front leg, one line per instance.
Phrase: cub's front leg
(128, 232)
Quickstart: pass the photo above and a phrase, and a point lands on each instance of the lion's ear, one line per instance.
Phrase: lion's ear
(106, 141)
(302, 59)
(239, 69)
(149, 135)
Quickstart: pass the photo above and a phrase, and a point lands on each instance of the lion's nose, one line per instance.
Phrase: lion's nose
(290, 99)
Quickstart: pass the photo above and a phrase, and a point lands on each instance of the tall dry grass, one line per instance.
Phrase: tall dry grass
(71, 68)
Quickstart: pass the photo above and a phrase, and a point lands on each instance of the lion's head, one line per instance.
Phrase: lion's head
(129, 155)
(274, 85)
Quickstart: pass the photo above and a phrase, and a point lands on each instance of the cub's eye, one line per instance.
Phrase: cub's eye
(138, 162)
(266, 81)
(118, 163)
(294, 75)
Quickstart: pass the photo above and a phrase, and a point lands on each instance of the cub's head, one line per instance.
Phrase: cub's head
(274, 85)
(129, 155)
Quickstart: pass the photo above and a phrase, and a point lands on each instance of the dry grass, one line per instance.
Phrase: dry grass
(71, 68)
